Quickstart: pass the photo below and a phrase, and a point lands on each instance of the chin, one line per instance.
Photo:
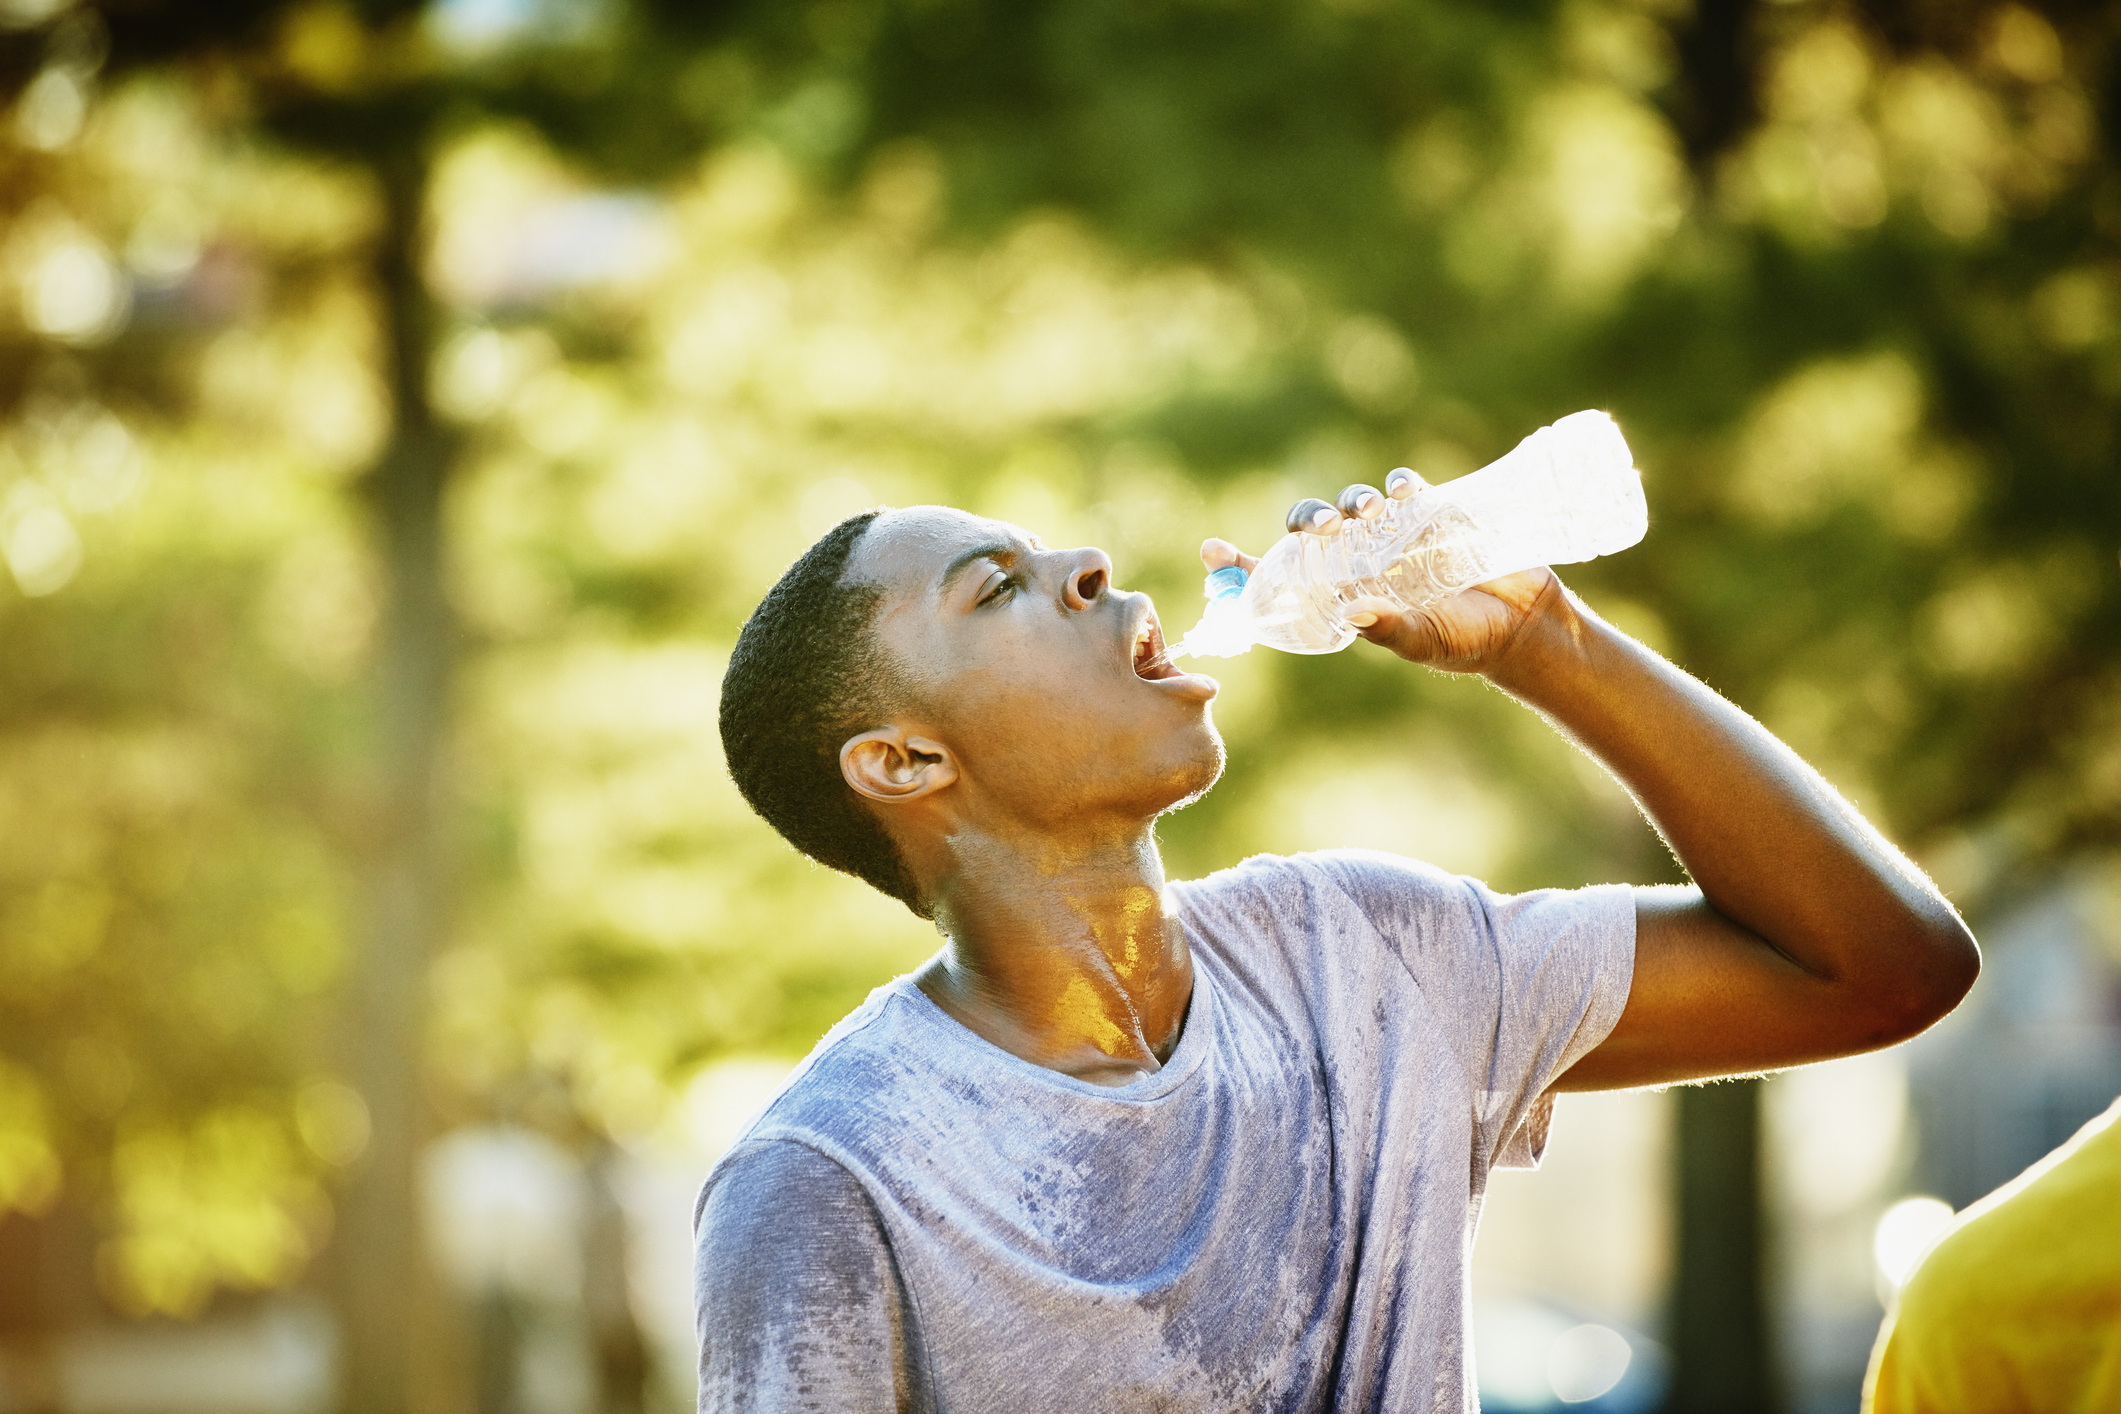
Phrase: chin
(1200, 772)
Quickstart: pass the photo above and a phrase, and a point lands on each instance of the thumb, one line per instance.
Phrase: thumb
(1219, 554)
(1412, 636)
(1371, 612)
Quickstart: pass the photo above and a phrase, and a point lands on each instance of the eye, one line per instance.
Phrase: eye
(995, 589)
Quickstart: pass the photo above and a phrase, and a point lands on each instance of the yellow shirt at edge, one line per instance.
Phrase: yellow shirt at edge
(2018, 1306)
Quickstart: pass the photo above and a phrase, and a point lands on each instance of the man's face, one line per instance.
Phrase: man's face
(1024, 662)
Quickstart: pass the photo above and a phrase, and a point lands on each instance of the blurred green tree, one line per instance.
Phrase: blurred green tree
(373, 90)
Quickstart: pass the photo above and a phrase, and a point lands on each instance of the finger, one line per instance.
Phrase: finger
(1216, 554)
(1403, 482)
(1313, 516)
(1361, 501)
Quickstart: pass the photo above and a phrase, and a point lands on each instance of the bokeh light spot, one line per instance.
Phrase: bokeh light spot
(1586, 1361)
(41, 546)
(1904, 1233)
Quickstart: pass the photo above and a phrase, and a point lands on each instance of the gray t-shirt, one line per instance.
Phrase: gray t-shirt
(1279, 1219)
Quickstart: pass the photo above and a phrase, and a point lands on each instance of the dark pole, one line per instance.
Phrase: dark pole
(622, 1357)
(1721, 1351)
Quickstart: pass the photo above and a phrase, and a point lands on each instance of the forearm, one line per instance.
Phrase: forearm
(1772, 846)
(1808, 936)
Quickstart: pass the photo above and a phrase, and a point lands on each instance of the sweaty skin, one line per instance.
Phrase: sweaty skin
(1023, 772)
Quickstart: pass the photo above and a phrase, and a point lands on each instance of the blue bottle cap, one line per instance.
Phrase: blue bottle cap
(1226, 583)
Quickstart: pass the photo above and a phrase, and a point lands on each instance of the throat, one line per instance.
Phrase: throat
(1083, 972)
(1085, 1031)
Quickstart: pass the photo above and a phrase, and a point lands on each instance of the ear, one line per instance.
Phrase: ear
(890, 767)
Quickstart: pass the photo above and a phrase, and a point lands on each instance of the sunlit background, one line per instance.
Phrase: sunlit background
(405, 403)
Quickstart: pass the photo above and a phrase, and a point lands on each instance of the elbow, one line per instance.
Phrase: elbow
(1938, 962)
(1954, 958)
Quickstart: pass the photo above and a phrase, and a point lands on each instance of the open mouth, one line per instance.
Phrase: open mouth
(1150, 661)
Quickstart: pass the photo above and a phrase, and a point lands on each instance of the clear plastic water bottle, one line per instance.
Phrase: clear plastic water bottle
(1566, 493)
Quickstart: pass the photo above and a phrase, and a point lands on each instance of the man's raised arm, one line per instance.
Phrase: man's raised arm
(1806, 934)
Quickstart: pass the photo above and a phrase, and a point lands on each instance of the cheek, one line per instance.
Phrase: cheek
(1037, 676)
(1045, 725)
(1045, 702)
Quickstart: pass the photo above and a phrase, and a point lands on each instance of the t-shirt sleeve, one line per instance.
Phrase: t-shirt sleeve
(797, 1298)
(1525, 985)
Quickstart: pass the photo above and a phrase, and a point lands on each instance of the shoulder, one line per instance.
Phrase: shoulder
(2055, 1228)
(862, 1072)
(767, 1194)
(797, 1299)
(1273, 886)
(1407, 902)
(1320, 937)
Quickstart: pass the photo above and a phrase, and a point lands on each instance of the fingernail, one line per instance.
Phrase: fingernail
(1401, 483)
(1368, 504)
(1362, 619)
(1323, 517)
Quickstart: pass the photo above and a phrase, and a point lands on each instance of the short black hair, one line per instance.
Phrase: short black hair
(807, 673)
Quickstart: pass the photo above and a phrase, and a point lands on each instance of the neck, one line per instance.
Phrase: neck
(1062, 953)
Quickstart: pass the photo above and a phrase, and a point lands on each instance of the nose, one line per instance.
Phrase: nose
(1090, 577)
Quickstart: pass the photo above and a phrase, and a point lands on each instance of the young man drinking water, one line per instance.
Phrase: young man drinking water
(1131, 1144)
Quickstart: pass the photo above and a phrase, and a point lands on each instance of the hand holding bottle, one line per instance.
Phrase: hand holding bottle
(1566, 493)
(1461, 634)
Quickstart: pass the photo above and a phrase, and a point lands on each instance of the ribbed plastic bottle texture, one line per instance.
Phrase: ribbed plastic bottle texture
(1566, 493)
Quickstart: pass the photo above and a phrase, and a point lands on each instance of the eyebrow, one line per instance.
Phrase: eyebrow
(993, 550)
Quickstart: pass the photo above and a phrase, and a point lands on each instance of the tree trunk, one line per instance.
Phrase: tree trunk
(622, 1357)
(380, 1258)
(497, 1368)
(1721, 1351)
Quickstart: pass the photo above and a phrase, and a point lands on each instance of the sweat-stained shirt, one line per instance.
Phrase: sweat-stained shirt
(1279, 1219)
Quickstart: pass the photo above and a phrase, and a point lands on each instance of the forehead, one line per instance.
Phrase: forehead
(907, 551)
